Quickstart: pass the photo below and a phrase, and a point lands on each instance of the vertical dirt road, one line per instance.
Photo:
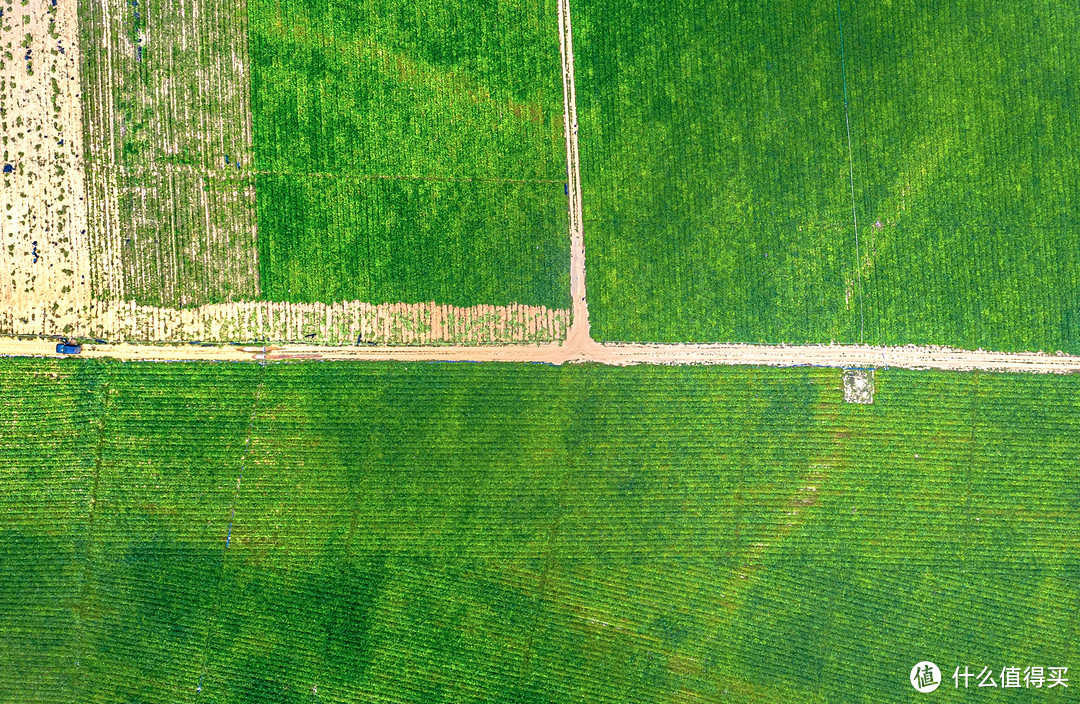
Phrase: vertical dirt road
(578, 337)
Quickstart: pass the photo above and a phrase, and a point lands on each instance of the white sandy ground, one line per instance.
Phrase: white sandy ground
(577, 347)
(42, 201)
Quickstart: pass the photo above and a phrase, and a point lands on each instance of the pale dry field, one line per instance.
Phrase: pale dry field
(334, 324)
(172, 197)
(44, 256)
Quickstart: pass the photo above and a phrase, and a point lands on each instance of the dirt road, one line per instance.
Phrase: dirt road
(578, 336)
(909, 357)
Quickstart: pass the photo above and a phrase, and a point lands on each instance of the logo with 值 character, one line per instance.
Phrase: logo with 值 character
(925, 676)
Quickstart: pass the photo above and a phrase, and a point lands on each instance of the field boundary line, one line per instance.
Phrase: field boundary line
(851, 174)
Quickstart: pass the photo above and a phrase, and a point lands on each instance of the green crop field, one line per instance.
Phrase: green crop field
(49, 429)
(714, 171)
(409, 153)
(965, 128)
(465, 533)
(718, 187)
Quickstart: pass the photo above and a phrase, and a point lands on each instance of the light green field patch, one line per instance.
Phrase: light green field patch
(169, 159)
(410, 155)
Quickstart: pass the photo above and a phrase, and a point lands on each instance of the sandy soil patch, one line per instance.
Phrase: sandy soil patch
(44, 281)
(345, 323)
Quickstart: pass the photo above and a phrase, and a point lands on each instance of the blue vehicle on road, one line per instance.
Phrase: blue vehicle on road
(68, 347)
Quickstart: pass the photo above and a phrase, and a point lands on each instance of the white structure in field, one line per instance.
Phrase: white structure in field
(859, 385)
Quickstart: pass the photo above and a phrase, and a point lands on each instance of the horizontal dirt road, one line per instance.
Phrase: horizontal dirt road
(840, 356)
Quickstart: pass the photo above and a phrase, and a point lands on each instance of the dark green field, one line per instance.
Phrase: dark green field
(966, 126)
(718, 186)
(409, 153)
(457, 533)
(714, 171)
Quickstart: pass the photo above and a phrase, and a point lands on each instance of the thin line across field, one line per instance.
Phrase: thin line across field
(851, 172)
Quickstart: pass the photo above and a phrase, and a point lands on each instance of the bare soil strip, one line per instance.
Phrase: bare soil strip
(843, 356)
(340, 323)
(579, 329)
(839, 356)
